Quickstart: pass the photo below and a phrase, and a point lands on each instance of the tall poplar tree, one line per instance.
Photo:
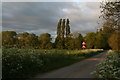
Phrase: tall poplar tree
(63, 33)
(59, 28)
(58, 41)
(67, 28)
(63, 29)
(67, 34)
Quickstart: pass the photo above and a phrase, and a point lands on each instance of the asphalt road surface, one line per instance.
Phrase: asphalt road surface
(80, 69)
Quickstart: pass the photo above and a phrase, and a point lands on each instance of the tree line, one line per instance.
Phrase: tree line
(64, 39)
(111, 25)
(107, 37)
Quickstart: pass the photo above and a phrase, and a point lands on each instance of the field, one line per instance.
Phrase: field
(110, 67)
(23, 63)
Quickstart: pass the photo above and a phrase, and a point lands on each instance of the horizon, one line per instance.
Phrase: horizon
(43, 17)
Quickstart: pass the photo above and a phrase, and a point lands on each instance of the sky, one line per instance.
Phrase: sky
(43, 17)
(53, 0)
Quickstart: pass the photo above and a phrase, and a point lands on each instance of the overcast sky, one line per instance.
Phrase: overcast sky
(42, 17)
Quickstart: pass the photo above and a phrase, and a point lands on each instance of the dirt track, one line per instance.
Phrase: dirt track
(80, 69)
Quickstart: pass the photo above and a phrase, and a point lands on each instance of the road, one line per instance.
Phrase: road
(80, 69)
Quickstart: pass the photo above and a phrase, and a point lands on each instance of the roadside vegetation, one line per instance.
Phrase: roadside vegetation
(22, 63)
(110, 67)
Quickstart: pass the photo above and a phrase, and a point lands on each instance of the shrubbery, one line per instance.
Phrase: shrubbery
(110, 67)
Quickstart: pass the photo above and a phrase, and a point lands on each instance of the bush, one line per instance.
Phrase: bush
(110, 67)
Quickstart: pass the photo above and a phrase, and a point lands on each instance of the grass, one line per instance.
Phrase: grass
(22, 63)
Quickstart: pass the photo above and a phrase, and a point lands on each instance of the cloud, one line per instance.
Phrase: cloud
(42, 17)
(53, 0)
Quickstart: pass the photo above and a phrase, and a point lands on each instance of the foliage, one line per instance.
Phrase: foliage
(90, 39)
(102, 41)
(67, 28)
(106, 32)
(59, 28)
(63, 33)
(96, 40)
(45, 41)
(114, 41)
(111, 24)
(18, 63)
(58, 43)
(27, 40)
(63, 30)
(74, 41)
(108, 27)
(110, 67)
(111, 11)
(9, 38)
(110, 16)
